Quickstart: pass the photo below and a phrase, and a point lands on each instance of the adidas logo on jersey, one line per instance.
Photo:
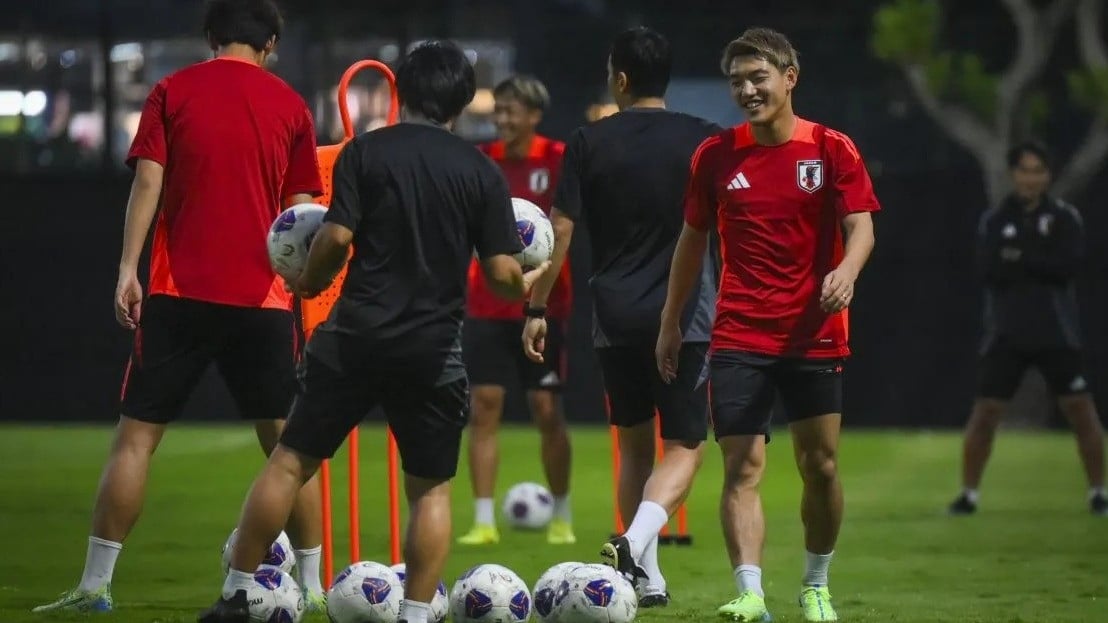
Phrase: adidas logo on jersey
(738, 182)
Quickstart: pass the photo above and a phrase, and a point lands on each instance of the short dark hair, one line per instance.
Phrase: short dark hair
(764, 43)
(436, 80)
(253, 22)
(1030, 146)
(644, 55)
(530, 91)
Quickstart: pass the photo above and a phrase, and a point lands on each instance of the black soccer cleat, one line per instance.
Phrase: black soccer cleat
(654, 600)
(617, 555)
(233, 610)
(962, 505)
(1098, 504)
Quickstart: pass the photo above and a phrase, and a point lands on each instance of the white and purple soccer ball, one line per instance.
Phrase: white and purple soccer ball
(489, 594)
(595, 594)
(280, 554)
(365, 592)
(290, 236)
(535, 231)
(440, 605)
(550, 589)
(528, 505)
(274, 597)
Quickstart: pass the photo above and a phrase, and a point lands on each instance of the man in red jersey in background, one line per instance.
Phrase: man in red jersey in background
(532, 165)
(223, 143)
(781, 191)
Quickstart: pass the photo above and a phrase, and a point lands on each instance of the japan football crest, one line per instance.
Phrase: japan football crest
(809, 175)
(539, 181)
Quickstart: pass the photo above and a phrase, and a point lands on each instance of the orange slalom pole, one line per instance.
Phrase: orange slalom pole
(355, 524)
(394, 500)
(328, 540)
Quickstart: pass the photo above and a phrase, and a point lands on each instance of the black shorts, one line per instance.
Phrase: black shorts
(636, 391)
(427, 418)
(1003, 367)
(254, 350)
(744, 387)
(493, 352)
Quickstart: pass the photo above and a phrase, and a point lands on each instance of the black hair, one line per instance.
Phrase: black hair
(252, 22)
(436, 80)
(1033, 147)
(644, 56)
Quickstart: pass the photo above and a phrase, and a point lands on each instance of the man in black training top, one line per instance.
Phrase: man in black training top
(624, 177)
(415, 201)
(1030, 249)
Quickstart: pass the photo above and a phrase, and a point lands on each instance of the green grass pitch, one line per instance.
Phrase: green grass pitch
(1033, 552)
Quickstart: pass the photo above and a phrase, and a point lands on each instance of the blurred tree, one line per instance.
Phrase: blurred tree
(987, 112)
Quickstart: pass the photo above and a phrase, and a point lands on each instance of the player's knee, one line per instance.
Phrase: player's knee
(818, 466)
(1080, 410)
(987, 413)
(743, 471)
(486, 406)
(548, 418)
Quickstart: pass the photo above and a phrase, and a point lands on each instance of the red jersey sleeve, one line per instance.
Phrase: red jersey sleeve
(149, 142)
(303, 171)
(850, 180)
(700, 195)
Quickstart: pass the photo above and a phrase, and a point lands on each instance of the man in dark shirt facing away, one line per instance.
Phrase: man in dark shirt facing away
(1030, 249)
(624, 177)
(415, 201)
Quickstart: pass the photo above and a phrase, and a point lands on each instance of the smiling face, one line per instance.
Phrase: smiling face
(515, 121)
(761, 89)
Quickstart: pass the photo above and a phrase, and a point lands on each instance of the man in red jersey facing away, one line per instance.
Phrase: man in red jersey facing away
(223, 143)
(532, 165)
(781, 191)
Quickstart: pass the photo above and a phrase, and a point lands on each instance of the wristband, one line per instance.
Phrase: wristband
(534, 312)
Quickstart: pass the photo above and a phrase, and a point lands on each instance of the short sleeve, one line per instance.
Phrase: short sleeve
(495, 232)
(302, 175)
(850, 180)
(150, 140)
(567, 198)
(346, 200)
(700, 203)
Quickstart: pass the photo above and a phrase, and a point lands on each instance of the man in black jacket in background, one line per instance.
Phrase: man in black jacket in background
(1030, 249)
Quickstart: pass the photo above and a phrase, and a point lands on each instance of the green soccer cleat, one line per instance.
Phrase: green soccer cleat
(746, 608)
(481, 534)
(560, 532)
(816, 603)
(79, 600)
(315, 602)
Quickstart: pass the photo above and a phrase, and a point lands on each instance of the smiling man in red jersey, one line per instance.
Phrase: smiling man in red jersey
(532, 165)
(220, 146)
(792, 202)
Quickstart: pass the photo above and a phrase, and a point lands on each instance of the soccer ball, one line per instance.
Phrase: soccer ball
(290, 237)
(365, 592)
(528, 505)
(440, 605)
(489, 594)
(274, 597)
(596, 594)
(280, 554)
(535, 232)
(550, 589)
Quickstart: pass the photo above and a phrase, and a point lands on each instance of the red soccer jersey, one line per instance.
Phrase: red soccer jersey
(778, 210)
(234, 140)
(533, 178)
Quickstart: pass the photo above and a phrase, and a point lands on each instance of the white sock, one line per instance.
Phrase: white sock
(561, 508)
(648, 521)
(656, 582)
(414, 611)
(486, 516)
(307, 567)
(749, 578)
(1095, 491)
(236, 581)
(99, 563)
(815, 571)
(971, 495)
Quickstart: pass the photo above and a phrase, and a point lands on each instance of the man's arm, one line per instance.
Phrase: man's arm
(298, 198)
(326, 258)
(838, 286)
(998, 263)
(684, 273)
(142, 205)
(1059, 258)
(563, 235)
